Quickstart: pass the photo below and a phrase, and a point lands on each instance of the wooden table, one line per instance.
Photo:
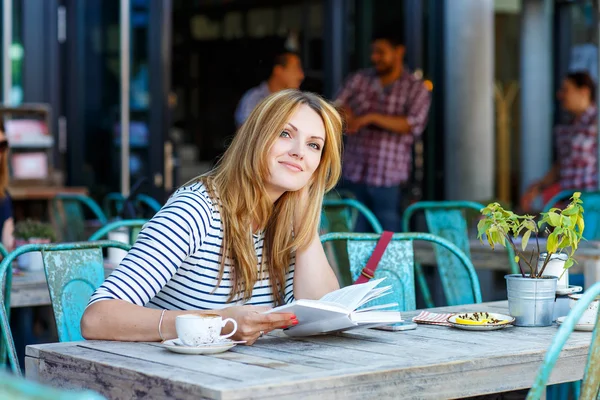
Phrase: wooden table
(587, 256)
(431, 362)
(31, 288)
(36, 192)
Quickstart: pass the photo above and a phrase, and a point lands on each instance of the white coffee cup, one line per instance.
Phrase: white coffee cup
(195, 330)
(589, 315)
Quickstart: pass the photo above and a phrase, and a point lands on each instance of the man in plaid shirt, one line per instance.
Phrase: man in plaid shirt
(385, 107)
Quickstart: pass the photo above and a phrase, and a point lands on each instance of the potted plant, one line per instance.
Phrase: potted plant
(32, 232)
(531, 293)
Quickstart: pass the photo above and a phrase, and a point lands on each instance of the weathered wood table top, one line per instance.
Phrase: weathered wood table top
(431, 362)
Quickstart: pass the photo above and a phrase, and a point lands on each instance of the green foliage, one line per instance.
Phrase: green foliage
(564, 229)
(30, 229)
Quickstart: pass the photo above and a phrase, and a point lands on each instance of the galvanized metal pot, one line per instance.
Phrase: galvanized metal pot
(531, 301)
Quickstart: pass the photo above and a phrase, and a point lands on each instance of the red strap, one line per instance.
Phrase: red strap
(369, 270)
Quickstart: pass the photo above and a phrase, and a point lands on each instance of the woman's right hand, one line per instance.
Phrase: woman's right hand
(252, 322)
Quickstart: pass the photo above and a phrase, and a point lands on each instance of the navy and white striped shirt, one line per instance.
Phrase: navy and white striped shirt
(175, 262)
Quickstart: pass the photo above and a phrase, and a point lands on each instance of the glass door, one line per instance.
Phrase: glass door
(93, 96)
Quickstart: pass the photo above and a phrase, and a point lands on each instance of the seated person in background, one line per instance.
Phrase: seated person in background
(577, 158)
(286, 73)
(263, 203)
(6, 211)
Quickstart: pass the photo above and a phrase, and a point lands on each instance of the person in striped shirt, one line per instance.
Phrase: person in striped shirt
(262, 203)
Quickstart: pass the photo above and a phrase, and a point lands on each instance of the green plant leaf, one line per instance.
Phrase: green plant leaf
(554, 219)
(525, 240)
(517, 259)
(580, 224)
(552, 243)
(570, 210)
(529, 224)
(569, 263)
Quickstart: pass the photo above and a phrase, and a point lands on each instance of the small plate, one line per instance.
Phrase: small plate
(505, 320)
(578, 327)
(563, 291)
(176, 346)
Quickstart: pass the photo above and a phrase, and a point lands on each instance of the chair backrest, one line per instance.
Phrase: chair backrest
(149, 202)
(112, 204)
(397, 263)
(591, 216)
(591, 379)
(74, 271)
(346, 210)
(15, 388)
(447, 219)
(135, 224)
(69, 214)
(7, 344)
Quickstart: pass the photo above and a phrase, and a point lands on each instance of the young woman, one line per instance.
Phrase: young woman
(260, 206)
(6, 211)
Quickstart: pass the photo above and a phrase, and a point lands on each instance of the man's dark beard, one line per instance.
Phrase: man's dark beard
(385, 71)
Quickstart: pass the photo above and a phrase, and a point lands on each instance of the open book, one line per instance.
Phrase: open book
(337, 311)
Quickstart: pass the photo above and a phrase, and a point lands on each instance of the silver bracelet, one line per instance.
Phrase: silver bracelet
(162, 314)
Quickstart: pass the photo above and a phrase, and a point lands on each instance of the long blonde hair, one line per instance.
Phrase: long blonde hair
(239, 181)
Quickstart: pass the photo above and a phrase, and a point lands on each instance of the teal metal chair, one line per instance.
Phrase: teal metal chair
(16, 388)
(69, 214)
(591, 216)
(135, 224)
(73, 272)
(448, 219)
(346, 211)
(397, 263)
(590, 388)
(113, 204)
(148, 202)
(340, 215)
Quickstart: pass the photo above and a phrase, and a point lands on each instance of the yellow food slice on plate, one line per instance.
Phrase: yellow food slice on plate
(471, 322)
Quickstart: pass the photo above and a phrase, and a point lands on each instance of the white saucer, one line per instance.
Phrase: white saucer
(563, 291)
(176, 346)
(505, 320)
(578, 327)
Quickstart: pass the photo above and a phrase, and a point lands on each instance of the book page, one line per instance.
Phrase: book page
(377, 307)
(351, 296)
(375, 294)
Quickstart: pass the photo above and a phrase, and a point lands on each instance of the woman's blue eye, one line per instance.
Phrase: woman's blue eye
(315, 146)
(284, 134)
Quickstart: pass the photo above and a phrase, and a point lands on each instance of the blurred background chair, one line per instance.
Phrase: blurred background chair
(448, 219)
(143, 205)
(397, 263)
(135, 225)
(15, 388)
(343, 213)
(590, 389)
(69, 213)
(591, 217)
(340, 215)
(73, 272)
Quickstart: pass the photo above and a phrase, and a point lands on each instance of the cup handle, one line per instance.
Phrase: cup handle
(232, 331)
